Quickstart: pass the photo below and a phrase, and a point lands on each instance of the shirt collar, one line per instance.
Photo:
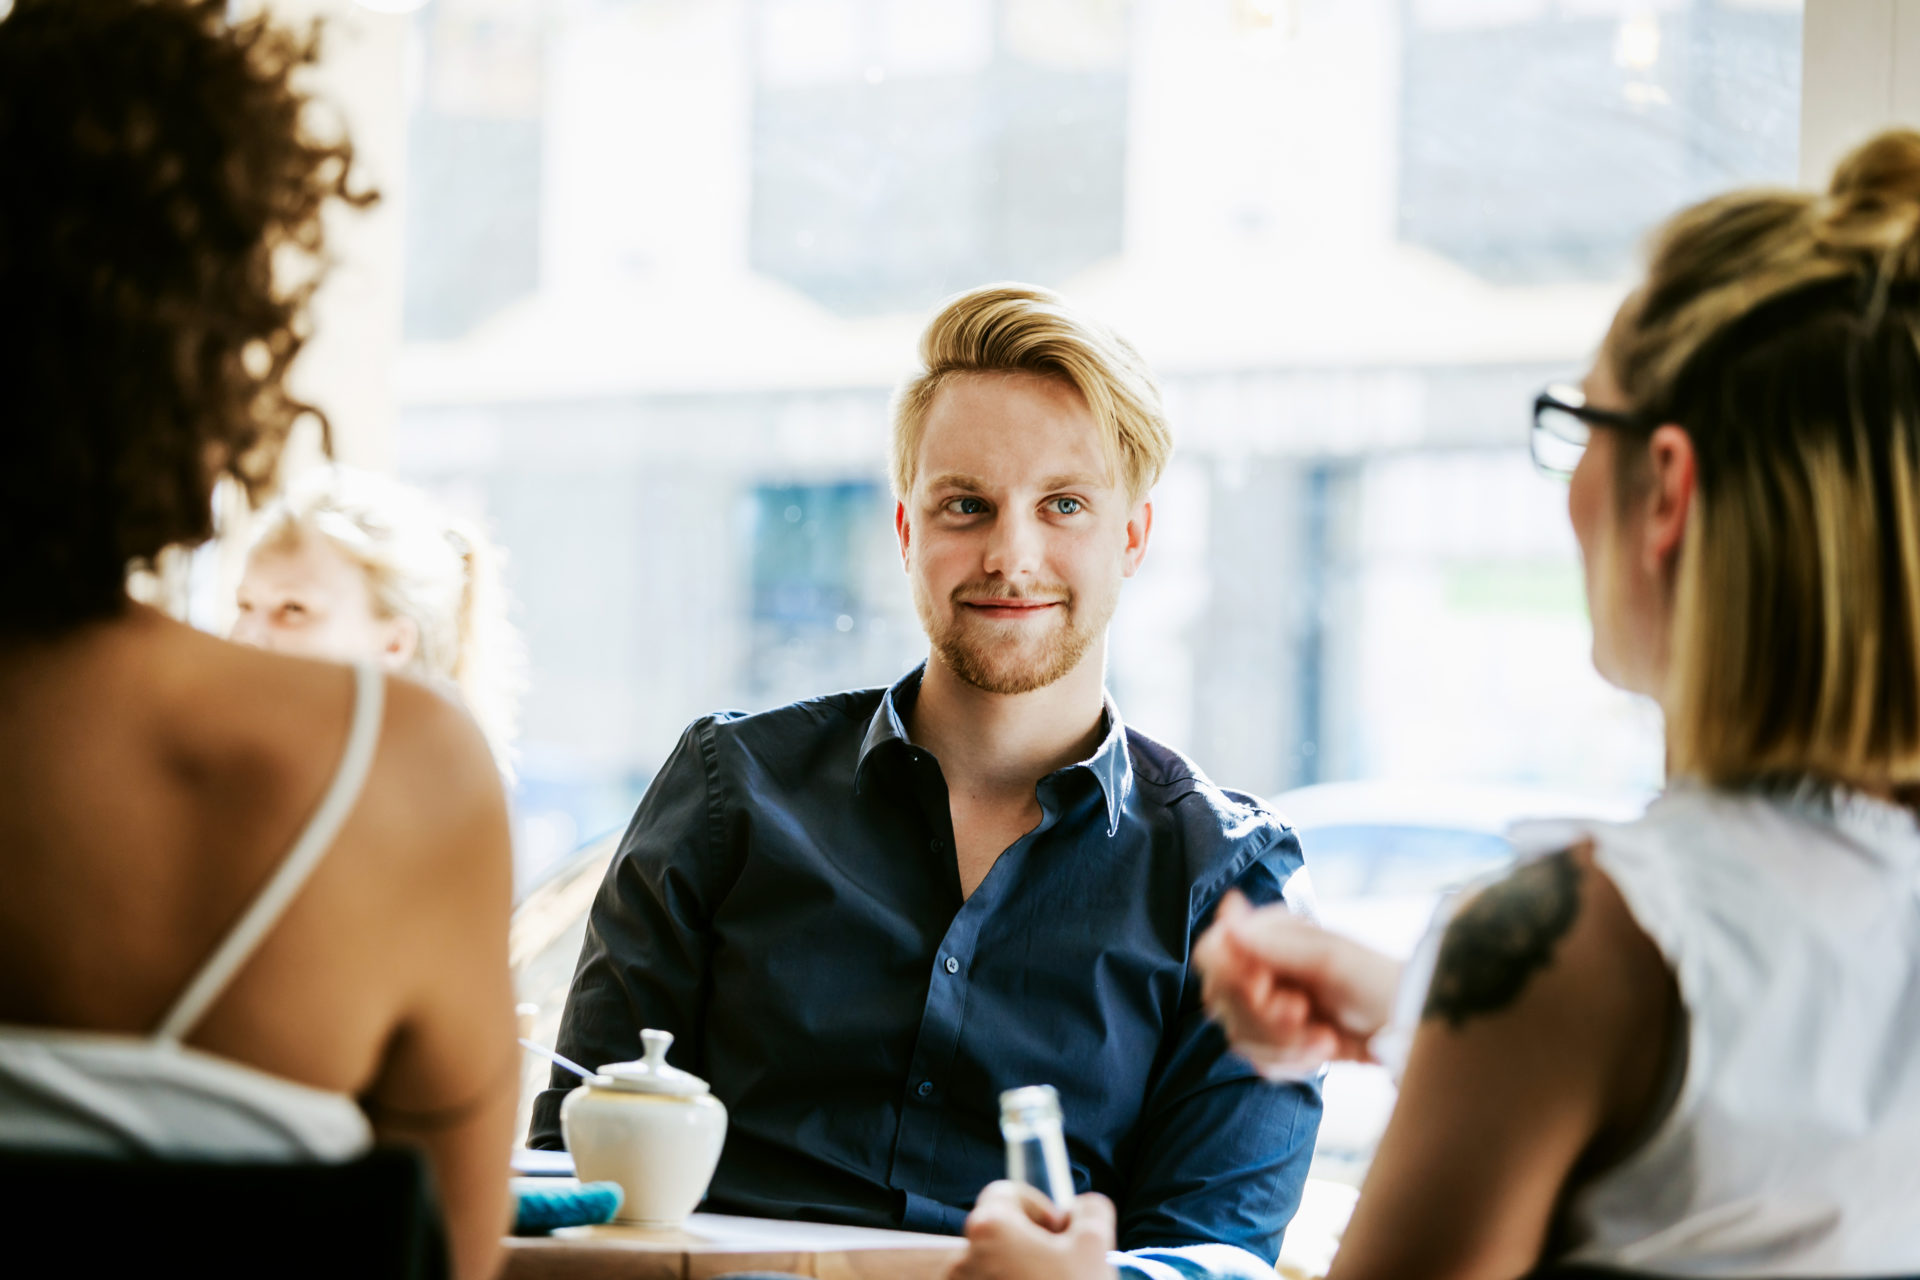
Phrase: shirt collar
(1111, 764)
(887, 726)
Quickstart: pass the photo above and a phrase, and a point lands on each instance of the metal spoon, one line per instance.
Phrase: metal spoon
(557, 1060)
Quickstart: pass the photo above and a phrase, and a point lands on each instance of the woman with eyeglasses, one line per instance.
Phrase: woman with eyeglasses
(1688, 1044)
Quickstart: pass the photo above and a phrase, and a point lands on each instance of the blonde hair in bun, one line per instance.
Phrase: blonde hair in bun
(1781, 330)
(1718, 260)
(422, 563)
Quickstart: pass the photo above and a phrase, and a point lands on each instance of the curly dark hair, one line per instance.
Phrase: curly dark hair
(156, 172)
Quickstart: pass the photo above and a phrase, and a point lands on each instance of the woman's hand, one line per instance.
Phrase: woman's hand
(1015, 1233)
(1291, 996)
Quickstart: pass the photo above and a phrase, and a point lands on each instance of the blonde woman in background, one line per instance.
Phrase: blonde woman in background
(1687, 1045)
(353, 566)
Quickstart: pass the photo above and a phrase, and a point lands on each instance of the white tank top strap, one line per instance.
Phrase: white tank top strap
(363, 738)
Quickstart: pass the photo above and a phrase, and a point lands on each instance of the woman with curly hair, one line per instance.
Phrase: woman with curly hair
(256, 906)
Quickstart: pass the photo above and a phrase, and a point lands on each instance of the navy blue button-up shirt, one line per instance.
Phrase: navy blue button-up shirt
(786, 901)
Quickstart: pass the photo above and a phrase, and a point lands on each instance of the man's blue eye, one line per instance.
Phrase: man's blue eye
(969, 506)
(1066, 506)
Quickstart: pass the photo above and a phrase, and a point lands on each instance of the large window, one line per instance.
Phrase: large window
(666, 259)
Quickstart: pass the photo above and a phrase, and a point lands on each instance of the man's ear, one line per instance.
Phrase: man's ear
(1671, 476)
(902, 529)
(1139, 529)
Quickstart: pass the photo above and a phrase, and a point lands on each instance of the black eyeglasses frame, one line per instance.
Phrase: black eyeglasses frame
(1569, 401)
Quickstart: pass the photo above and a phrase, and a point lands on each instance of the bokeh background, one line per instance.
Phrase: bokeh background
(657, 265)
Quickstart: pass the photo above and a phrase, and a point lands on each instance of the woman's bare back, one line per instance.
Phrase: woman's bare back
(154, 779)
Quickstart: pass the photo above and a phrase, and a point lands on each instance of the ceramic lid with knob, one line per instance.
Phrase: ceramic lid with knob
(651, 1074)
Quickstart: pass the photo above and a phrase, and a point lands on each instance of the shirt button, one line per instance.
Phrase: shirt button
(926, 1089)
(953, 966)
(939, 846)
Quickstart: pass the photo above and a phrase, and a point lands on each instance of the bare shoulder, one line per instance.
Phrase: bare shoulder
(431, 746)
(432, 784)
(1555, 923)
(1548, 968)
(1538, 1062)
(435, 801)
(424, 862)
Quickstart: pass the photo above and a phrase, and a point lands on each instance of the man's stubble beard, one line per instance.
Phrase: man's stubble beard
(993, 666)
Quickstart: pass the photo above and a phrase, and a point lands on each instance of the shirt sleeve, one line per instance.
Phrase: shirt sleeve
(1191, 1262)
(1223, 1154)
(646, 958)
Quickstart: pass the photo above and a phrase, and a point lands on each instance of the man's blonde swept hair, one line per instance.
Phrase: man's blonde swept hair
(1781, 330)
(1022, 328)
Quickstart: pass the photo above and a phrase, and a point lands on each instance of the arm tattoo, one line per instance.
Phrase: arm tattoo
(1493, 947)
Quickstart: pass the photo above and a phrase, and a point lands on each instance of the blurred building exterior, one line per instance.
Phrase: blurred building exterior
(666, 259)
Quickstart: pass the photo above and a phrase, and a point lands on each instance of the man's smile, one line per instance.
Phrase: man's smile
(1011, 610)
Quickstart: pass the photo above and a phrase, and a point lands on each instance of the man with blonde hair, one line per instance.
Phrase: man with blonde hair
(866, 915)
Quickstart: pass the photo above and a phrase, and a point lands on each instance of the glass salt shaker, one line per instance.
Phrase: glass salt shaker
(1036, 1145)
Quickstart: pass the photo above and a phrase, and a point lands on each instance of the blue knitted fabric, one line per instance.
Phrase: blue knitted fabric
(541, 1204)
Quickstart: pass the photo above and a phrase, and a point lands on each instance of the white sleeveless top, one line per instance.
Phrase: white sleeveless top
(109, 1094)
(1792, 926)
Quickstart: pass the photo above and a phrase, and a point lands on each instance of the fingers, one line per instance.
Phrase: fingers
(1217, 947)
(1282, 1007)
(1259, 1009)
(1351, 984)
(1291, 996)
(1312, 1050)
(1004, 1206)
(1228, 971)
(1277, 937)
(1094, 1220)
(1006, 1239)
(1277, 1028)
(1298, 1059)
(1039, 1207)
(1250, 951)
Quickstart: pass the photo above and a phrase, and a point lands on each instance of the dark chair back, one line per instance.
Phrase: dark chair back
(375, 1218)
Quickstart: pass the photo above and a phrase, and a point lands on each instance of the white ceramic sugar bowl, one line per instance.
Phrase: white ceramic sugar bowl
(654, 1129)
